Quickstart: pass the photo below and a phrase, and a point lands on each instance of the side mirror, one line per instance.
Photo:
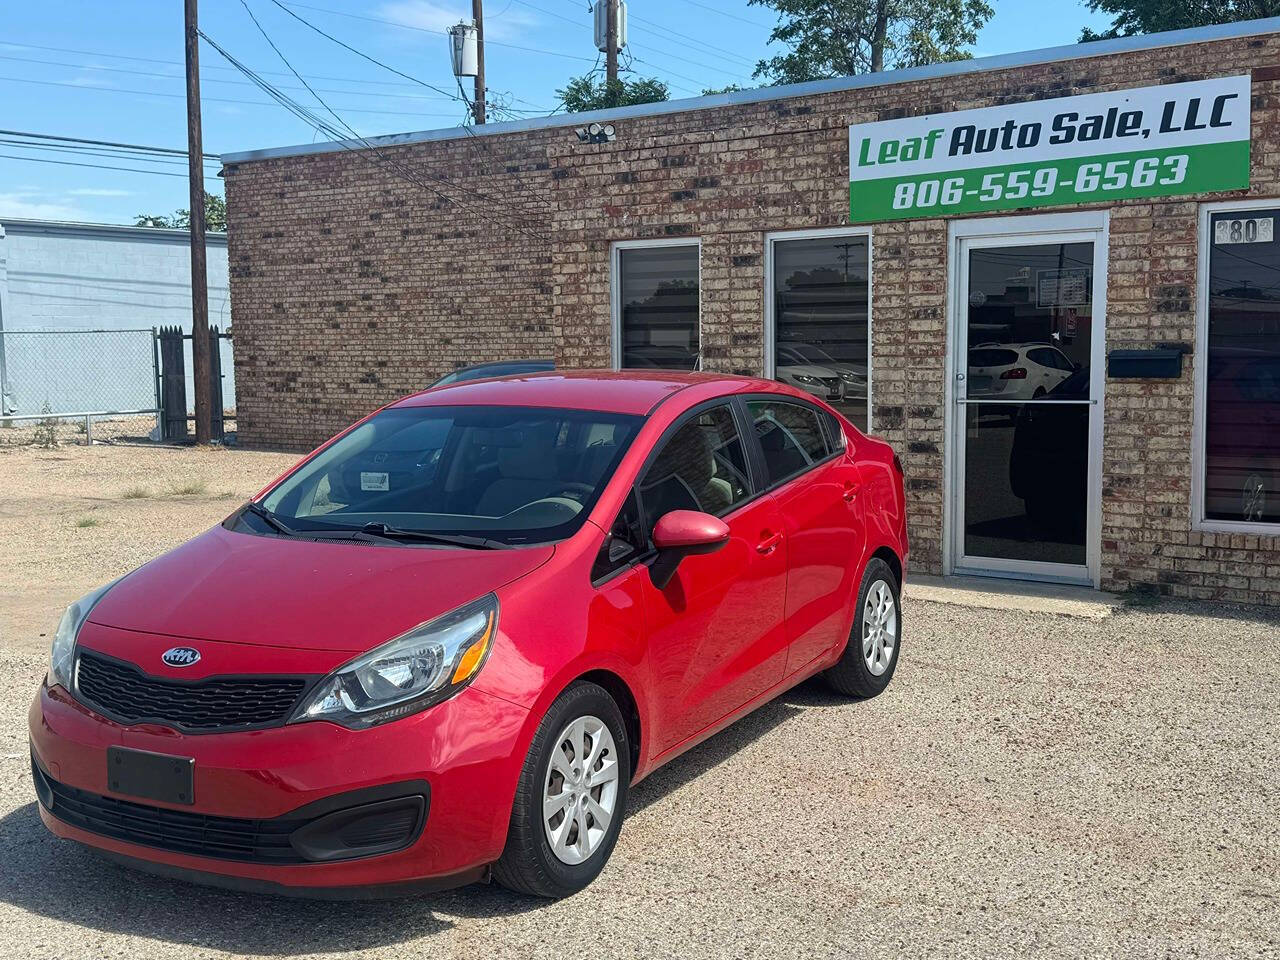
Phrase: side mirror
(683, 533)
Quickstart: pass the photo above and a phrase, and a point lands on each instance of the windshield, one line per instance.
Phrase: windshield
(807, 353)
(514, 474)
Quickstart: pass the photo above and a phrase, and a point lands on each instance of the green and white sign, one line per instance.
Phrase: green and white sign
(1180, 138)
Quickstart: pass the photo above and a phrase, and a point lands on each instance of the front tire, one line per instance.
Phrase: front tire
(871, 655)
(571, 796)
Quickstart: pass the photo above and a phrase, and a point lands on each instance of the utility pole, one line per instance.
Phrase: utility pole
(611, 50)
(199, 276)
(477, 14)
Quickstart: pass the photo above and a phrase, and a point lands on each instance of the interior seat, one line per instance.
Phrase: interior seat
(525, 473)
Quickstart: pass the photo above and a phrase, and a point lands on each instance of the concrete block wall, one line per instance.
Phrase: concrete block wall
(88, 277)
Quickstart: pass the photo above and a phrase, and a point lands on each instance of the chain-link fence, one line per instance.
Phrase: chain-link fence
(64, 384)
(72, 372)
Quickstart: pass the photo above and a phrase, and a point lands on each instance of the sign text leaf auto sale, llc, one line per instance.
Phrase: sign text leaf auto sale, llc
(1179, 138)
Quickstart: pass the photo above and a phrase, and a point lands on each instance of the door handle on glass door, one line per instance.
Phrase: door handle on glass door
(769, 543)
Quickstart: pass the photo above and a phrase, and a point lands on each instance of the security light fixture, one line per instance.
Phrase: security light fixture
(596, 133)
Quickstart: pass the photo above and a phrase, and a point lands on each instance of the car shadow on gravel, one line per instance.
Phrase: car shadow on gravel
(709, 754)
(66, 882)
(63, 881)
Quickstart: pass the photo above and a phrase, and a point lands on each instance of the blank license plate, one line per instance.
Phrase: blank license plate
(152, 776)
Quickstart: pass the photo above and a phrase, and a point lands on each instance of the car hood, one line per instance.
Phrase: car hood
(323, 595)
(806, 369)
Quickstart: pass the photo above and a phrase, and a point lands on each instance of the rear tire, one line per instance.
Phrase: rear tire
(871, 654)
(577, 771)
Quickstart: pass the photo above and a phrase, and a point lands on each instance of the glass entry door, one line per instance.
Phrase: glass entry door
(1027, 381)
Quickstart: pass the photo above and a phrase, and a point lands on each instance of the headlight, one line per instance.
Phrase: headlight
(62, 656)
(849, 376)
(417, 669)
(805, 378)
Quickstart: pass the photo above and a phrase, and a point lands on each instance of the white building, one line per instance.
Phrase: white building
(101, 289)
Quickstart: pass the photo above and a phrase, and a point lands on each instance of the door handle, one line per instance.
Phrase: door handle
(769, 543)
(850, 491)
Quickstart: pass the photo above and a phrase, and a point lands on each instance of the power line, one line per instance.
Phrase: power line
(434, 32)
(323, 126)
(82, 151)
(359, 53)
(671, 56)
(731, 16)
(178, 63)
(98, 166)
(671, 72)
(238, 83)
(180, 96)
(723, 52)
(283, 59)
(663, 32)
(104, 143)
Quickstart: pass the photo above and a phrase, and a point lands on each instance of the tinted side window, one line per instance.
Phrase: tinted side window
(700, 467)
(624, 542)
(991, 357)
(790, 435)
(835, 432)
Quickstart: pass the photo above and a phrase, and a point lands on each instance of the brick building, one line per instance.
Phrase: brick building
(1049, 279)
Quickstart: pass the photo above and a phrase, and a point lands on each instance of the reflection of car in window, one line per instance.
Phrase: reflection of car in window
(1016, 371)
(799, 365)
(1242, 437)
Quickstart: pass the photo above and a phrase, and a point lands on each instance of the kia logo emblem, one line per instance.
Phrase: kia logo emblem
(180, 656)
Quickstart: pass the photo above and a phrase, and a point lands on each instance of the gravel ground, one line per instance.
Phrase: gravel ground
(74, 517)
(1029, 785)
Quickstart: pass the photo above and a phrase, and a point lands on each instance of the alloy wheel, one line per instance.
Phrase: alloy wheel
(879, 628)
(580, 789)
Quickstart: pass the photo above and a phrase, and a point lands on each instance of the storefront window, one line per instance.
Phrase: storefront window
(821, 319)
(657, 296)
(1242, 368)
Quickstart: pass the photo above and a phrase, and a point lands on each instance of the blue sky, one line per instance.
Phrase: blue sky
(112, 71)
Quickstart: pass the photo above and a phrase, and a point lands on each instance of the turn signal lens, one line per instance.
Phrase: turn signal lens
(1017, 373)
(475, 653)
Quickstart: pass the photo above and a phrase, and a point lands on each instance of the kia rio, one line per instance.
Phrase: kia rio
(444, 645)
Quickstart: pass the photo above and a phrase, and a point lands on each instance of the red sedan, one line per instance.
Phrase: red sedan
(444, 646)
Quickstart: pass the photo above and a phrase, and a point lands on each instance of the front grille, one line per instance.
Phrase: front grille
(306, 835)
(125, 693)
(223, 838)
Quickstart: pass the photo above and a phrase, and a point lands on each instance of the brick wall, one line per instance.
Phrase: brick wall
(353, 285)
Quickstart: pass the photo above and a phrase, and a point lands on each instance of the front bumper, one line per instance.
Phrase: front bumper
(462, 757)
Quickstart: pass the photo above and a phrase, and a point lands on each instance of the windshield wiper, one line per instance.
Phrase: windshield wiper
(278, 525)
(373, 530)
(377, 528)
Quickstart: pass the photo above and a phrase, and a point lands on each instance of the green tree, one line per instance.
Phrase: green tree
(215, 216)
(591, 93)
(840, 38)
(1130, 17)
(731, 88)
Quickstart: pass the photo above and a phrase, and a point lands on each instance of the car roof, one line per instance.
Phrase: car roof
(634, 392)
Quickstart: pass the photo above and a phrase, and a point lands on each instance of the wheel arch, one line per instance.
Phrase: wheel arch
(617, 688)
(891, 559)
(621, 683)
